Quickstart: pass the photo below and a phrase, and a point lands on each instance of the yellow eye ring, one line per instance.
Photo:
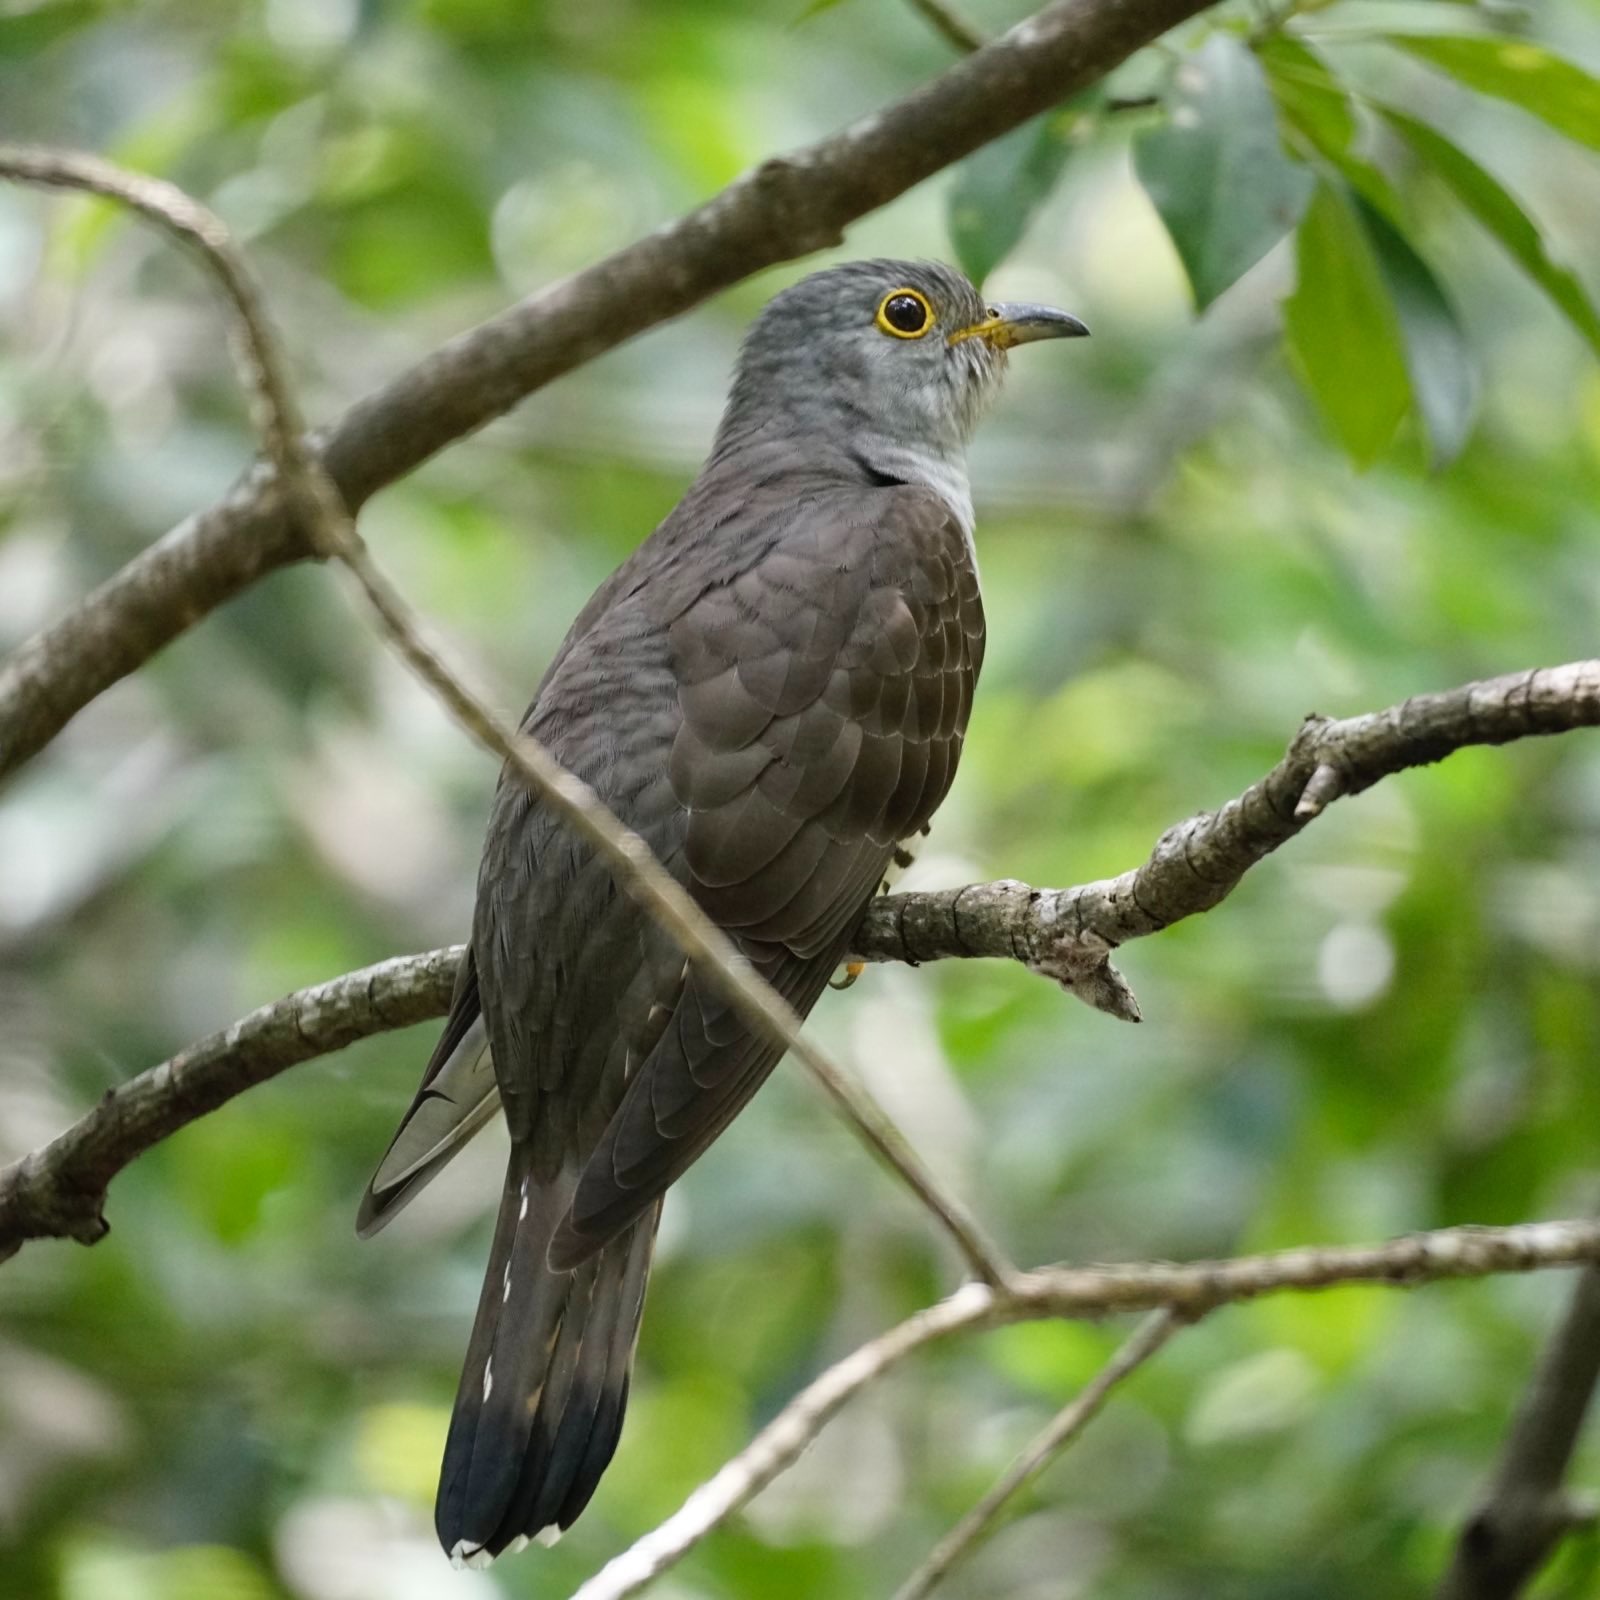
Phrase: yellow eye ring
(905, 314)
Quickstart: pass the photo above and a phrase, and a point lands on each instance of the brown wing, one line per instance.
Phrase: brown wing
(576, 980)
(824, 693)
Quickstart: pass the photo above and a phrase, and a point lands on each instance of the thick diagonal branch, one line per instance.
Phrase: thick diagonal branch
(1064, 933)
(787, 207)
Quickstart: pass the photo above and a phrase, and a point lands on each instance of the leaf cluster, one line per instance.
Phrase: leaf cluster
(1261, 135)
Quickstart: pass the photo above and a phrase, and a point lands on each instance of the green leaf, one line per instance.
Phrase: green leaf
(1342, 330)
(1310, 99)
(32, 26)
(1216, 169)
(998, 190)
(1498, 210)
(1316, 107)
(1444, 382)
(1527, 75)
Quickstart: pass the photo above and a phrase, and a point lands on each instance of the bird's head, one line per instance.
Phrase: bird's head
(901, 350)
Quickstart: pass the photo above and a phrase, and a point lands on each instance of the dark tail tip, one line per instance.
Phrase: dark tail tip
(545, 1385)
(559, 1472)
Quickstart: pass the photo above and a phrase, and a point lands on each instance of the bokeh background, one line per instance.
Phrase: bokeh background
(1393, 1025)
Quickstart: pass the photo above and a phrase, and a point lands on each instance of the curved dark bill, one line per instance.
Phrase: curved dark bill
(1018, 323)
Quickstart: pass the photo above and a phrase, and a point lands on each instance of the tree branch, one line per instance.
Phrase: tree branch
(1526, 1511)
(1066, 934)
(787, 207)
(1188, 1291)
(59, 1191)
(1064, 1427)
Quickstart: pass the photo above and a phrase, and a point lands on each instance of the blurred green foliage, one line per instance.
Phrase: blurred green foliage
(1393, 1025)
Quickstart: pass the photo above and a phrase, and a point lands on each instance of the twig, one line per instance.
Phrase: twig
(634, 867)
(1080, 1292)
(1067, 1424)
(1067, 934)
(1527, 1511)
(780, 1443)
(783, 209)
(954, 30)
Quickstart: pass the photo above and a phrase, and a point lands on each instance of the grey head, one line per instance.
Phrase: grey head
(881, 368)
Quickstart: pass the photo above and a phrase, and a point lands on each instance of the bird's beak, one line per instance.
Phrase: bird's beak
(1012, 324)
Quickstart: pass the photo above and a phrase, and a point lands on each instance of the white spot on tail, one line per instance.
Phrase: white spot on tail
(548, 1535)
(479, 1559)
(518, 1545)
(488, 1380)
(463, 1554)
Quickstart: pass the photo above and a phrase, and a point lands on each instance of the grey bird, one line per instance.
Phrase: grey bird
(773, 692)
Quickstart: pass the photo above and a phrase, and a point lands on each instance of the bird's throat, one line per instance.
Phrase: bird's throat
(944, 472)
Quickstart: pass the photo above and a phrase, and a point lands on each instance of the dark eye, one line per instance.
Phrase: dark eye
(905, 313)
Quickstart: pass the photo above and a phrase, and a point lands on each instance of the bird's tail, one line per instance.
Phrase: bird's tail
(546, 1378)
